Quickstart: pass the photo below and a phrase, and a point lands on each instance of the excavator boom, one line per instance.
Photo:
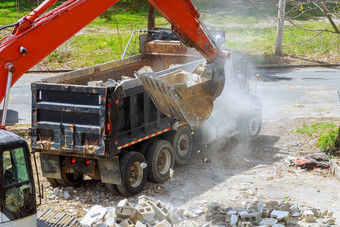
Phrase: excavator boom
(38, 34)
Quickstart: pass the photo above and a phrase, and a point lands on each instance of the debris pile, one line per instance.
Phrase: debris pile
(269, 213)
(148, 212)
(311, 161)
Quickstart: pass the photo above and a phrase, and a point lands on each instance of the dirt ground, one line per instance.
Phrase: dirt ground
(235, 174)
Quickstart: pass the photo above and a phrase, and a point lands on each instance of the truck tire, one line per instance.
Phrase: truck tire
(53, 182)
(69, 179)
(113, 189)
(251, 127)
(133, 175)
(182, 142)
(160, 158)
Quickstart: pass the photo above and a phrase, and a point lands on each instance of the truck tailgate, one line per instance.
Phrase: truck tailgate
(68, 118)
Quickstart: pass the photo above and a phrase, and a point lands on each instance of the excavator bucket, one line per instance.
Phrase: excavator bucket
(187, 97)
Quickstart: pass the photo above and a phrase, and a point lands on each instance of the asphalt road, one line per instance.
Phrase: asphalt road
(285, 93)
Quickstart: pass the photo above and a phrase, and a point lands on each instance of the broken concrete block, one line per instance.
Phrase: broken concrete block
(294, 209)
(175, 218)
(143, 198)
(161, 212)
(233, 220)
(140, 224)
(95, 214)
(123, 203)
(280, 215)
(95, 83)
(282, 207)
(308, 216)
(254, 218)
(146, 211)
(129, 212)
(271, 205)
(163, 223)
(268, 221)
(230, 213)
(127, 223)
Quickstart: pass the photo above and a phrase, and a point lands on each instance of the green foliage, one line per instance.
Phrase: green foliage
(325, 133)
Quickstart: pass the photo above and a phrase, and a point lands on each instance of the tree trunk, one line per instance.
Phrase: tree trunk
(280, 27)
(151, 17)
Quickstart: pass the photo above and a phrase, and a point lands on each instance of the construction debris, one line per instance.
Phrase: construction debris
(148, 212)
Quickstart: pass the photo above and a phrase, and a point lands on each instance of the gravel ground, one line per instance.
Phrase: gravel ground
(231, 172)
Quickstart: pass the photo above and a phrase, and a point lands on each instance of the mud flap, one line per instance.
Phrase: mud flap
(187, 97)
(50, 165)
(110, 171)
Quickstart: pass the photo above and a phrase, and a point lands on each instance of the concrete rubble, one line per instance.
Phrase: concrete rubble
(149, 212)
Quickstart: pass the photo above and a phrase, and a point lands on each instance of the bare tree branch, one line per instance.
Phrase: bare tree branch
(312, 30)
(327, 14)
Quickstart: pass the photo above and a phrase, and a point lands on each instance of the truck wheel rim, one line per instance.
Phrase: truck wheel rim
(135, 174)
(254, 126)
(183, 145)
(164, 162)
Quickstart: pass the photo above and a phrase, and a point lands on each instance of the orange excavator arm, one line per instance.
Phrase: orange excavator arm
(36, 35)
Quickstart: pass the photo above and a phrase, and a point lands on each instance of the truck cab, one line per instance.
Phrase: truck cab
(17, 189)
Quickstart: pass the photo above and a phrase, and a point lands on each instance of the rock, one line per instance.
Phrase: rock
(265, 213)
(260, 206)
(315, 211)
(308, 216)
(233, 220)
(250, 192)
(330, 214)
(246, 224)
(268, 221)
(271, 205)
(329, 220)
(95, 214)
(66, 195)
(198, 212)
(279, 215)
(283, 207)
(324, 213)
(212, 208)
(294, 209)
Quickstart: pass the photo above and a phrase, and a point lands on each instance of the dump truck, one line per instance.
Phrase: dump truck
(101, 122)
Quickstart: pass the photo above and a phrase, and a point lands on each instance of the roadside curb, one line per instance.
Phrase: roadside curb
(335, 169)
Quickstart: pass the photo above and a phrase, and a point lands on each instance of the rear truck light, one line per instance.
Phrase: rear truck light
(73, 161)
(108, 122)
(87, 162)
(108, 128)
(117, 101)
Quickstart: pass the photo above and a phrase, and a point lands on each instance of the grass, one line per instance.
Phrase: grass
(325, 133)
(249, 28)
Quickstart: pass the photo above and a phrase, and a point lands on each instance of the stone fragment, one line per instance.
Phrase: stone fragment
(294, 209)
(233, 220)
(66, 195)
(283, 207)
(212, 208)
(250, 192)
(198, 212)
(94, 215)
(265, 213)
(260, 206)
(329, 220)
(279, 215)
(271, 205)
(330, 214)
(324, 213)
(268, 221)
(308, 216)
(315, 211)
